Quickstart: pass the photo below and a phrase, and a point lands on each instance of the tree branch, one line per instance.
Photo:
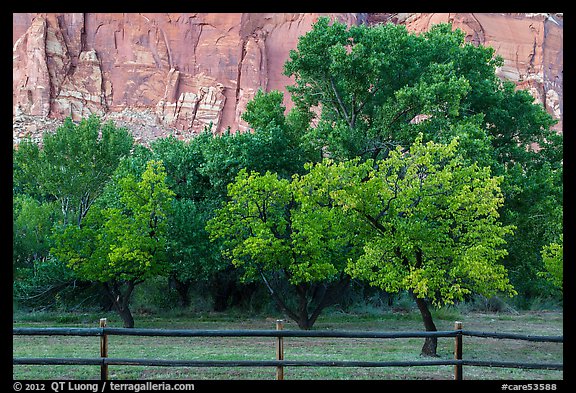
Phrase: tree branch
(275, 296)
(341, 104)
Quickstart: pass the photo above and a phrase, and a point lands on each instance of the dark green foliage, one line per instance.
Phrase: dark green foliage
(31, 229)
(73, 165)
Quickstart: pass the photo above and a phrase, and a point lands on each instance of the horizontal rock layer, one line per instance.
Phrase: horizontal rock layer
(162, 74)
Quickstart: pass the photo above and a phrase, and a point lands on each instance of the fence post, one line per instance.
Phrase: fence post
(103, 351)
(279, 351)
(458, 351)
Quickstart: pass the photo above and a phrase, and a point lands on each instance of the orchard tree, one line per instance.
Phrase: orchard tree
(273, 143)
(190, 254)
(122, 244)
(292, 237)
(198, 171)
(435, 229)
(369, 89)
(376, 87)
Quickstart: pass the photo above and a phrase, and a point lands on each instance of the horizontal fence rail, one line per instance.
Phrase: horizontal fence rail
(514, 336)
(104, 361)
(273, 363)
(272, 333)
(225, 333)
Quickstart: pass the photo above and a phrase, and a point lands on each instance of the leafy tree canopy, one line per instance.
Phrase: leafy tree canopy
(124, 244)
(73, 164)
(277, 229)
(379, 86)
(434, 219)
(370, 89)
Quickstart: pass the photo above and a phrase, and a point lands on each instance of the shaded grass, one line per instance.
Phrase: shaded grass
(263, 348)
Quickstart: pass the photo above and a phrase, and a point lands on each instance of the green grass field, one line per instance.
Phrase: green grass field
(258, 348)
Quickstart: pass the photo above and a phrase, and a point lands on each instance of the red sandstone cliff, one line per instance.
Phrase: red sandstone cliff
(165, 74)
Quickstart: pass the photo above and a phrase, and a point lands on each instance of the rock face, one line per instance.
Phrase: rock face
(162, 74)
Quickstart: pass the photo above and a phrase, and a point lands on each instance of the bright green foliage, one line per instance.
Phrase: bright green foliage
(274, 224)
(434, 220)
(254, 223)
(554, 262)
(291, 231)
(122, 245)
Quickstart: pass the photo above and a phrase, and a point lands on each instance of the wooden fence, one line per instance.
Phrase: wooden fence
(104, 361)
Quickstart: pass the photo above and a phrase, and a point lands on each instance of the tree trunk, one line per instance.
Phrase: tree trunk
(126, 315)
(430, 343)
(222, 291)
(182, 288)
(121, 301)
(304, 322)
(330, 295)
(324, 295)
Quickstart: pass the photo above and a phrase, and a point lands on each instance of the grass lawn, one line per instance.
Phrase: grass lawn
(263, 348)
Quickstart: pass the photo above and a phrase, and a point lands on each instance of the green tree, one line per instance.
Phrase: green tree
(122, 244)
(288, 234)
(273, 144)
(376, 87)
(193, 258)
(535, 206)
(191, 255)
(199, 171)
(26, 164)
(73, 165)
(55, 183)
(435, 229)
(370, 89)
